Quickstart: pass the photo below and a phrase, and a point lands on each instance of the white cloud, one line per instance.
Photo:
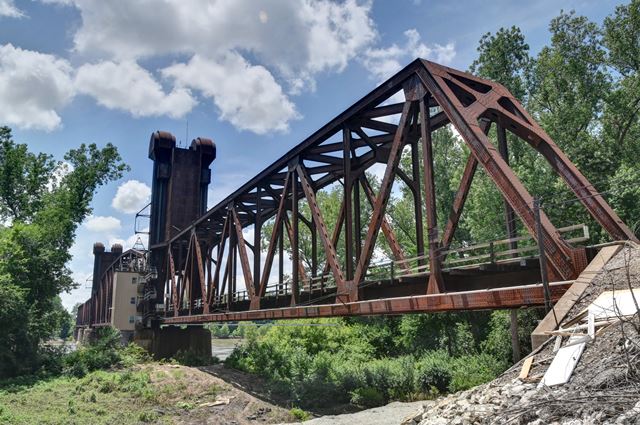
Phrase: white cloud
(9, 9)
(105, 224)
(246, 95)
(33, 88)
(255, 50)
(131, 196)
(296, 38)
(384, 62)
(129, 87)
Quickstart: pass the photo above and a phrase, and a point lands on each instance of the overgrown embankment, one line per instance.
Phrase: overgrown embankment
(368, 362)
(104, 383)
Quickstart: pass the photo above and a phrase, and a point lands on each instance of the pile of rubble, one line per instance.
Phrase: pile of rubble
(587, 372)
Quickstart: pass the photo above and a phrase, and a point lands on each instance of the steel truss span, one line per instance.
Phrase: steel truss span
(220, 268)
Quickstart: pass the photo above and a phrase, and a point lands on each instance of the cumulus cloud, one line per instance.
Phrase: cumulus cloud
(106, 224)
(384, 62)
(33, 88)
(248, 59)
(131, 197)
(9, 9)
(129, 87)
(297, 38)
(265, 53)
(246, 95)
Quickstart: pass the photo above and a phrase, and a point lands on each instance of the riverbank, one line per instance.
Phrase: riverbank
(149, 393)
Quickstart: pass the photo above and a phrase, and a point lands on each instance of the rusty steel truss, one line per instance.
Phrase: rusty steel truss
(199, 267)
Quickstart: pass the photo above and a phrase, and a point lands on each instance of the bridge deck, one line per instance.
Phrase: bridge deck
(508, 297)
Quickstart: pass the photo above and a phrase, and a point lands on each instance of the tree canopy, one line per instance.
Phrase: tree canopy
(42, 202)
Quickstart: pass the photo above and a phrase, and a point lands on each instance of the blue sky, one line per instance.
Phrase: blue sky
(255, 76)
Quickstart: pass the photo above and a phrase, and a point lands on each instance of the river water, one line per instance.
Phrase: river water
(222, 348)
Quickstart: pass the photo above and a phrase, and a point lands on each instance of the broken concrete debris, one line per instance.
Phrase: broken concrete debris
(587, 371)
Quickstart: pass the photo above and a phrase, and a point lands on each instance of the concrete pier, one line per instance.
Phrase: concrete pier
(165, 342)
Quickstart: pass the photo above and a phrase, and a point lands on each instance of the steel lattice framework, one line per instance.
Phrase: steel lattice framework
(198, 266)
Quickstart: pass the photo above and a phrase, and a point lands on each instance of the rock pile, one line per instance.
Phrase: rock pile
(604, 387)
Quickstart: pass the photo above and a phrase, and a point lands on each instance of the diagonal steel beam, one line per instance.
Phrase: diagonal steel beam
(330, 249)
(381, 201)
(244, 261)
(174, 285)
(274, 237)
(215, 288)
(465, 121)
(458, 202)
(387, 230)
(203, 284)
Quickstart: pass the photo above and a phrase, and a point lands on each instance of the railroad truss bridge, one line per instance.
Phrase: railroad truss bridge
(202, 265)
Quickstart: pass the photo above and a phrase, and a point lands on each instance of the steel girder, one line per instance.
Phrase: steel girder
(200, 268)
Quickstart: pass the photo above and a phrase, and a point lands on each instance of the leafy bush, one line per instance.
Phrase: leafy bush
(336, 361)
(133, 354)
(367, 397)
(194, 358)
(469, 371)
(104, 352)
(300, 414)
(101, 353)
(433, 373)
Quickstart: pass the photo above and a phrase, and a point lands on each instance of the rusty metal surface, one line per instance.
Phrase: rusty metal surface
(198, 254)
(514, 297)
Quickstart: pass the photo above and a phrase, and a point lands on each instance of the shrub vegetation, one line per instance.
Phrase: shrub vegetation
(371, 361)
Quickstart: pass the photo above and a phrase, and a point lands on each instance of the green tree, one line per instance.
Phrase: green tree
(621, 119)
(42, 202)
(504, 57)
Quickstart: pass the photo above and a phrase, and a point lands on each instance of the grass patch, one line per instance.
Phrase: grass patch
(98, 398)
(299, 414)
(141, 394)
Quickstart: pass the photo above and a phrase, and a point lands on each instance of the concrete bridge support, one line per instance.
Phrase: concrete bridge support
(84, 335)
(165, 342)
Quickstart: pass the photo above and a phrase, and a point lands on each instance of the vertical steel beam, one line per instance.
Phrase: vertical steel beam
(436, 283)
(295, 249)
(281, 256)
(509, 214)
(257, 239)
(357, 218)
(417, 200)
(314, 249)
(348, 202)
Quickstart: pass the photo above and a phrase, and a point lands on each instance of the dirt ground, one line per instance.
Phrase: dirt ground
(226, 404)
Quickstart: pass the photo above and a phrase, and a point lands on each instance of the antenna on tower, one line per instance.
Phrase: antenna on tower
(186, 139)
(139, 245)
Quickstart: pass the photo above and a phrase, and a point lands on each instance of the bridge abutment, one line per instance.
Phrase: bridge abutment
(165, 342)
